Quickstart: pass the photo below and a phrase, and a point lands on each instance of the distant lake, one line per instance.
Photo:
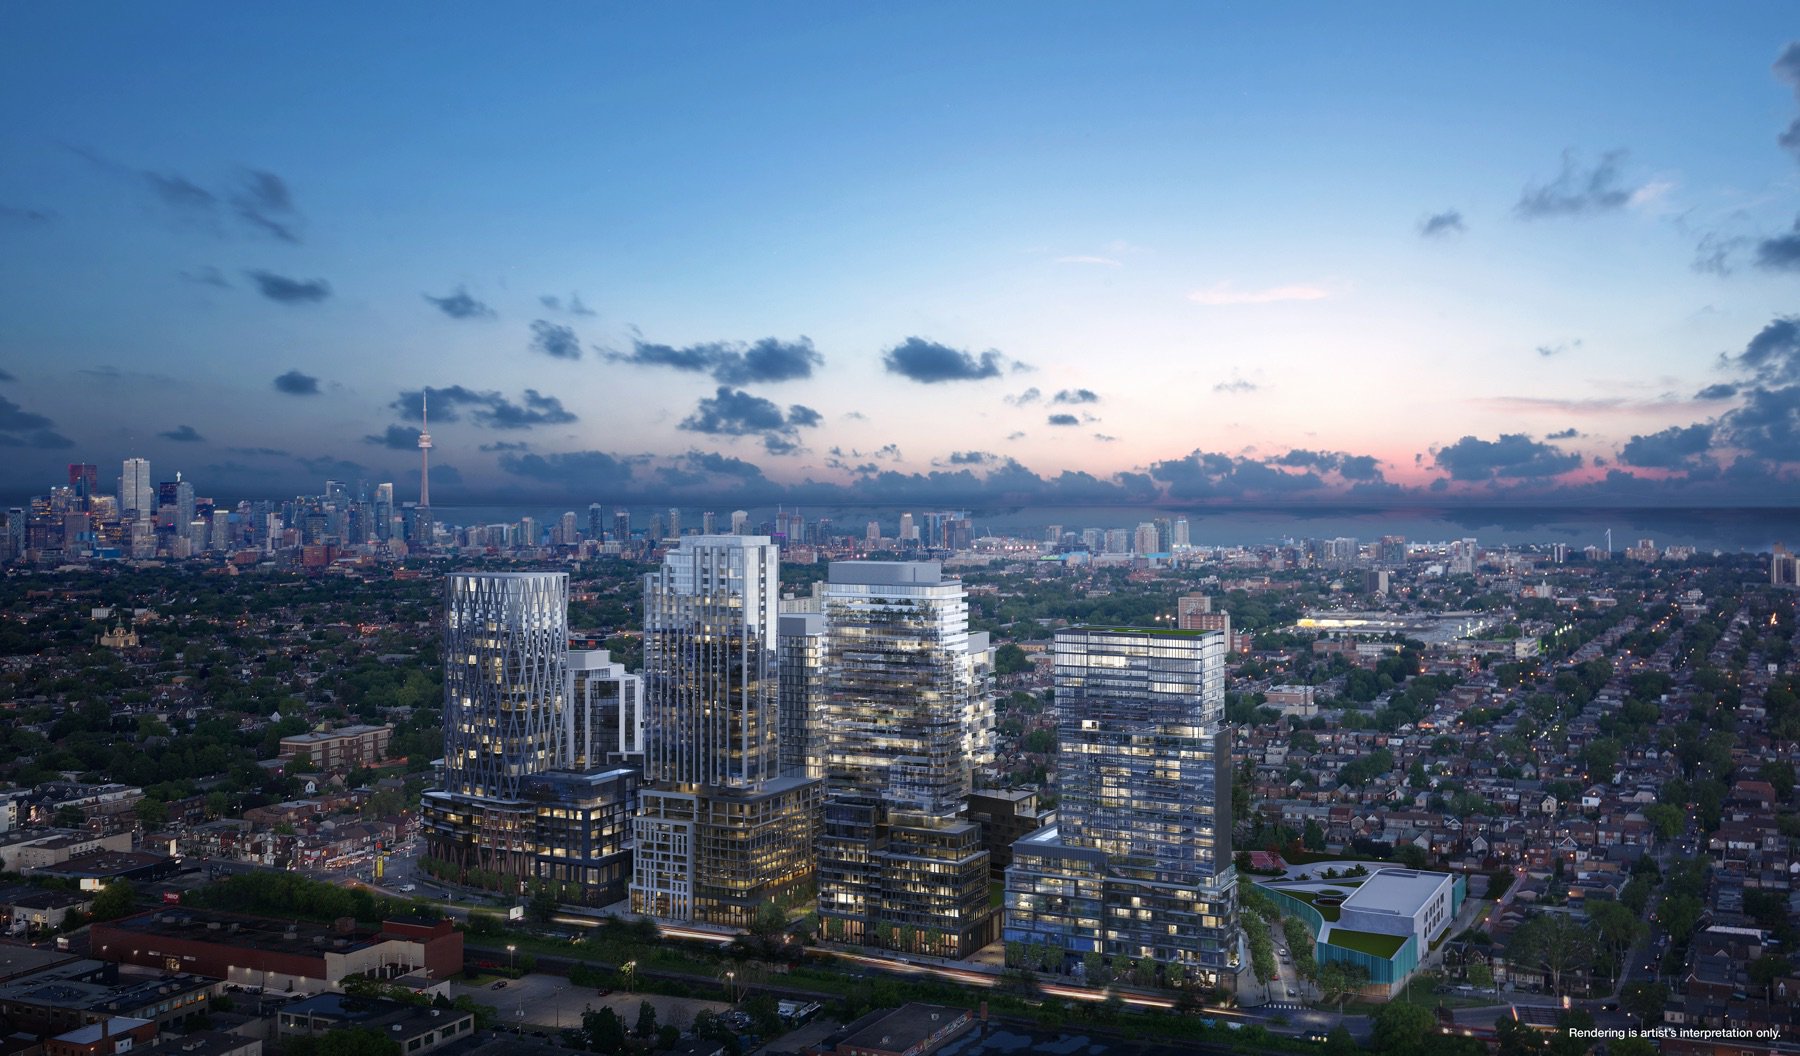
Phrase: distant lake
(1754, 529)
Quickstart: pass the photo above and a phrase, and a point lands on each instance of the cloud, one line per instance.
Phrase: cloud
(1718, 391)
(258, 200)
(573, 305)
(1577, 190)
(14, 216)
(205, 275)
(1015, 436)
(333, 468)
(397, 437)
(554, 340)
(1780, 253)
(7, 376)
(505, 445)
(1103, 438)
(1062, 419)
(286, 290)
(583, 472)
(262, 201)
(730, 362)
(1076, 396)
(183, 434)
(1105, 262)
(1787, 69)
(1557, 350)
(460, 305)
(1513, 456)
(1713, 253)
(490, 409)
(1026, 398)
(1236, 385)
(1225, 293)
(109, 374)
(972, 458)
(1677, 447)
(1570, 433)
(1773, 355)
(259, 452)
(1767, 425)
(295, 383)
(930, 363)
(1442, 225)
(22, 428)
(733, 412)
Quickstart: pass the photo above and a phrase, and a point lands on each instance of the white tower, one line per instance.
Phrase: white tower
(424, 449)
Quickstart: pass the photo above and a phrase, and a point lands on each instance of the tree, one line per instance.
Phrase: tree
(1340, 1043)
(1412, 856)
(1765, 970)
(1668, 820)
(1009, 659)
(769, 920)
(605, 1031)
(1553, 942)
(116, 900)
(1314, 836)
(1480, 975)
(153, 813)
(1645, 1001)
(1401, 1028)
(1618, 929)
(646, 1020)
(300, 762)
(542, 905)
(1338, 980)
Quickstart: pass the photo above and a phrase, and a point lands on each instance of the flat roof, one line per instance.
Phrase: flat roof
(904, 1027)
(1402, 892)
(255, 933)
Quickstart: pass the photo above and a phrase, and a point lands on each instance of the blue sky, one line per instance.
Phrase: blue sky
(1281, 252)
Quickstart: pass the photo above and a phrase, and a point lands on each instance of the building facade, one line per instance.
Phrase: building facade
(719, 831)
(1139, 864)
(898, 864)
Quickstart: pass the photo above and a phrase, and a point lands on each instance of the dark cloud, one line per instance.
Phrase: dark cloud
(1556, 350)
(1015, 436)
(929, 363)
(333, 468)
(1570, 433)
(183, 434)
(1577, 190)
(7, 376)
(460, 305)
(1442, 225)
(1787, 69)
(261, 200)
(490, 409)
(1720, 391)
(259, 452)
(537, 410)
(397, 437)
(716, 464)
(1076, 396)
(289, 290)
(1062, 419)
(583, 472)
(573, 305)
(1780, 253)
(1026, 398)
(205, 275)
(972, 458)
(1773, 355)
(1348, 466)
(295, 383)
(505, 445)
(113, 375)
(258, 200)
(14, 216)
(441, 473)
(732, 363)
(1514, 456)
(1767, 425)
(1236, 385)
(1677, 447)
(555, 340)
(734, 412)
(1103, 438)
(22, 428)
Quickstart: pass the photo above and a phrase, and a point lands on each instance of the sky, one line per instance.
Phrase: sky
(1048, 252)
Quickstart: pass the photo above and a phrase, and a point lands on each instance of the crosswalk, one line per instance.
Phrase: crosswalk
(1287, 1005)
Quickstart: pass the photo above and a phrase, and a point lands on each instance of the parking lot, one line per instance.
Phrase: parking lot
(549, 1002)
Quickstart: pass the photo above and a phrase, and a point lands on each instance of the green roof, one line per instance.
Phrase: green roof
(1373, 943)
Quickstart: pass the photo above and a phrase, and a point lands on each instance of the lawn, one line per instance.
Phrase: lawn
(1372, 943)
(1330, 913)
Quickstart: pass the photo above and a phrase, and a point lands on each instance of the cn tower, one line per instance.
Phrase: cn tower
(424, 450)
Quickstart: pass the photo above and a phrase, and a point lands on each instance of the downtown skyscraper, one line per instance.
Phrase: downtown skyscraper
(898, 866)
(1139, 865)
(720, 832)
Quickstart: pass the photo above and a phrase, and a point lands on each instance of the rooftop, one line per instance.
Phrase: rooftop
(1402, 892)
(257, 933)
(903, 1028)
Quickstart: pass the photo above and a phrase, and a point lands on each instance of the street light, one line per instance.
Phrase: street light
(510, 950)
(731, 987)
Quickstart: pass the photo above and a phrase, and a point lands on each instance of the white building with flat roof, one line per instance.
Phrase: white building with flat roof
(1401, 902)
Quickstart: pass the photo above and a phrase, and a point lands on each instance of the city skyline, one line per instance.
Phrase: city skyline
(931, 256)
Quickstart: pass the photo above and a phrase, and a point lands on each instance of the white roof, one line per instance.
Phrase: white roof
(1402, 892)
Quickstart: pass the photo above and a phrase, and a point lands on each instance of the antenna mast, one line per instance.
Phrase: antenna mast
(424, 449)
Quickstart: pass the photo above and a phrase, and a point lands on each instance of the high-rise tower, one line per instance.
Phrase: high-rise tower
(898, 866)
(425, 449)
(719, 832)
(1139, 864)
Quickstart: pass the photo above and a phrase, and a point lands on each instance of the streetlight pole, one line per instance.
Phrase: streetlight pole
(510, 970)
